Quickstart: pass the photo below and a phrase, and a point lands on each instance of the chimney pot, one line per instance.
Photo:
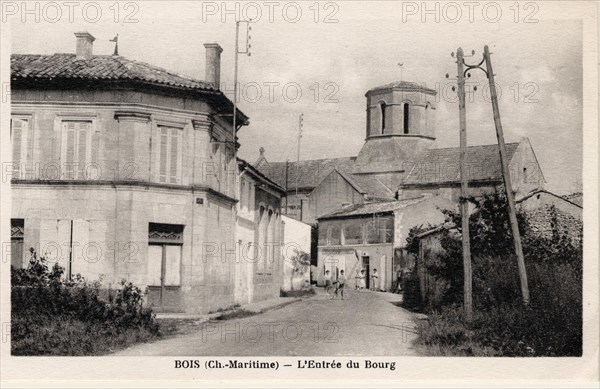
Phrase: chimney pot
(85, 44)
(213, 64)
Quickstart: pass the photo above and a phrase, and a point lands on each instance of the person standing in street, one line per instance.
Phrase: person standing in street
(374, 280)
(341, 282)
(327, 279)
(361, 280)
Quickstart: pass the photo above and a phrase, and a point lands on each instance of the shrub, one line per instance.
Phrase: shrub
(411, 291)
(552, 323)
(47, 311)
(495, 274)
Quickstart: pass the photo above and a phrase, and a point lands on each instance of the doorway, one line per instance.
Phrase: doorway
(366, 268)
(164, 266)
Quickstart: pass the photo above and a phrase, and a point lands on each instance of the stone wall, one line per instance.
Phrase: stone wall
(544, 220)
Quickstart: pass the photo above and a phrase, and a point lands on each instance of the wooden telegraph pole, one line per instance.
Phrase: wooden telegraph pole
(512, 213)
(300, 125)
(464, 185)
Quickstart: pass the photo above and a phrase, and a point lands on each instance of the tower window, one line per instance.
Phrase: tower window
(382, 106)
(406, 118)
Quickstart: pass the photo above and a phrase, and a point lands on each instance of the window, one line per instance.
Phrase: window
(170, 154)
(17, 232)
(380, 230)
(406, 117)
(76, 148)
(353, 233)
(382, 107)
(334, 235)
(22, 143)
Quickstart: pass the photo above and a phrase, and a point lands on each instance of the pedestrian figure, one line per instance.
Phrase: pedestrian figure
(361, 280)
(327, 279)
(400, 280)
(341, 282)
(374, 280)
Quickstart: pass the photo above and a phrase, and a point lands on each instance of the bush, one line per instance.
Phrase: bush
(552, 323)
(495, 274)
(411, 295)
(54, 316)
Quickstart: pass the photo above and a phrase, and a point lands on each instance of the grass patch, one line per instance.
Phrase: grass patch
(68, 336)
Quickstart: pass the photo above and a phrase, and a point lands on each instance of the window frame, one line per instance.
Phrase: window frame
(168, 177)
(79, 173)
(406, 118)
(382, 112)
(26, 147)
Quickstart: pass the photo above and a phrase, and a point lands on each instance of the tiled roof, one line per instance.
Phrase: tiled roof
(99, 67)
(305, 174)
(382, 207)
(575, 198)
(243, 165)
(443, 165)
(369, 185)
(405, 86)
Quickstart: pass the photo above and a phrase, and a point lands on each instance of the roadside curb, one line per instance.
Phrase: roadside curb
(255, 308)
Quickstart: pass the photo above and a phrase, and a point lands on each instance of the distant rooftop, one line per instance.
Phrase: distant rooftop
(404, 86)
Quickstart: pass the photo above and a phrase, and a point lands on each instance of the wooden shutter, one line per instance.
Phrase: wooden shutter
(164, 140)
(154, 265)
(84, 137)
(19, 132)
(172, 265)
(81, 239)
(76, 148)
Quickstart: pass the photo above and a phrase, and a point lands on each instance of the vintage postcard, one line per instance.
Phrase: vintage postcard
(340, 193)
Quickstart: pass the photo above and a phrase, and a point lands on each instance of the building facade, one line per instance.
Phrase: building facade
(372, 236)
(364, 206)
(122, 170)
(398, 160)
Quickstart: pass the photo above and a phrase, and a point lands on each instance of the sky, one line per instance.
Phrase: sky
(322, 63)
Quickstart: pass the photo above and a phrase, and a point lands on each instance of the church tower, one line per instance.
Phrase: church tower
(400, 125)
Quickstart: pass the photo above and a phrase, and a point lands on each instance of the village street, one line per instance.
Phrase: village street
(365, 323)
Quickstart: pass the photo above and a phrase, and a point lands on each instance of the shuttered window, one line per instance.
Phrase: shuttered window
(76, 148)
(22, 143)
(170, 154)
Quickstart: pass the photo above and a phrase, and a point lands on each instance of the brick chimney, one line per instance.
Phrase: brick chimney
(213, 64)
(85, 45)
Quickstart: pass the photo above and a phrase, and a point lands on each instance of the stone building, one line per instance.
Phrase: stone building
(552, 216)
(373, 236)
(123, 170)
(259, 266)
(398, 179)
(398, 160)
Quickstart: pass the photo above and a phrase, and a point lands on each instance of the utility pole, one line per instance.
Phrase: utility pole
(287, 166)
(464, 185)
(300, 124)
(512, 212)
(235, 80)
